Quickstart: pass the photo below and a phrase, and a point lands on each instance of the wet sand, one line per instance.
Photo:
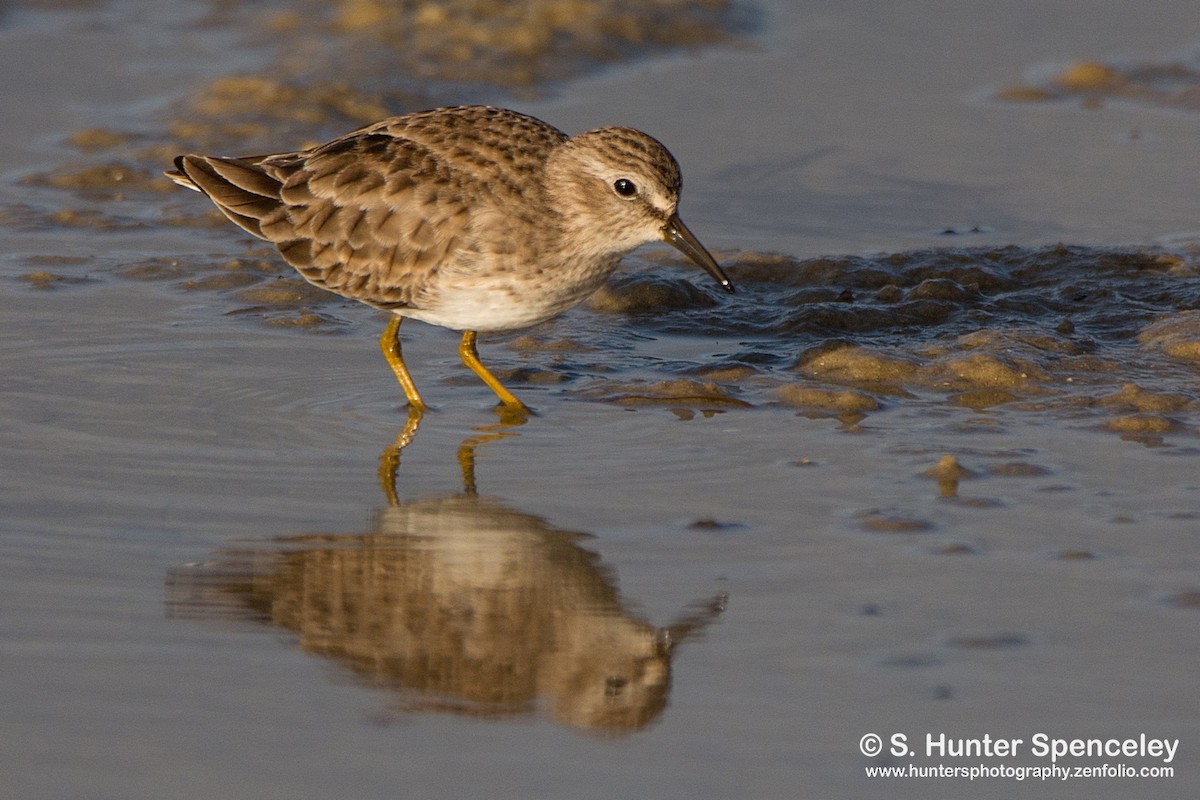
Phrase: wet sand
(928, 471)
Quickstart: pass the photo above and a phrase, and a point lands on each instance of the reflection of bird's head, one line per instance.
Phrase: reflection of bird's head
(613, 678)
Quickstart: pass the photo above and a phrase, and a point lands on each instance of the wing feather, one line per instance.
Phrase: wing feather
(369, 216)
(375, 215)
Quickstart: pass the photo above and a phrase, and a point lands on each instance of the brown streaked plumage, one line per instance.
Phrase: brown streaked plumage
(472, 218)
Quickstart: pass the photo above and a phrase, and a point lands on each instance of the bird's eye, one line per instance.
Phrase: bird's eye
(624, 187)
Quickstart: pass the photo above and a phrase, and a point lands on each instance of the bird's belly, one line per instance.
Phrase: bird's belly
(501, 305)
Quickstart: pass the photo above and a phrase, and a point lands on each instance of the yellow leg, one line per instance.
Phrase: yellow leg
(389, 343)
(470, 357)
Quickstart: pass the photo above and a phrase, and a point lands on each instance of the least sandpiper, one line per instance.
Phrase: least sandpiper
(472, 218)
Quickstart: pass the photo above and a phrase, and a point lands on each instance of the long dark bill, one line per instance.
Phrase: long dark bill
(678, 235)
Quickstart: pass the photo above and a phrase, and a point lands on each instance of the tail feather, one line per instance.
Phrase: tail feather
(244, 192)
(180, 177)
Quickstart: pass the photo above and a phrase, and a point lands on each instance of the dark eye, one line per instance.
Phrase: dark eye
(624, 187)
(614, 684)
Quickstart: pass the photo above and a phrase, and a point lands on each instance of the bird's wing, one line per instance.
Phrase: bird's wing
(370, 216)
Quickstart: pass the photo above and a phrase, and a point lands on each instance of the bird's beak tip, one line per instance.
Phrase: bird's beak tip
(677, 235)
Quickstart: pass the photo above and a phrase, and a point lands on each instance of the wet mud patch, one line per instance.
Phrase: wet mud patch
(688, 393)
(875, 520)
(1110, 336)
(43, 279)
(250, 287)
(1172, 84)
(333, 67)
(29, 218)
(109, 181)
(523, 44)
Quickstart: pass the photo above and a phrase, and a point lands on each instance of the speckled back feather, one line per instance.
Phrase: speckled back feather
(374, 214)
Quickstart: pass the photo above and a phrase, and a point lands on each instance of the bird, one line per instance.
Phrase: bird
(472, 218)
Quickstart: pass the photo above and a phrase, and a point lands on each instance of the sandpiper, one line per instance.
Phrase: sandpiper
(472, 218)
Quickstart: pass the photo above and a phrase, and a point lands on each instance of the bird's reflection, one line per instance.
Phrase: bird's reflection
(459, 604)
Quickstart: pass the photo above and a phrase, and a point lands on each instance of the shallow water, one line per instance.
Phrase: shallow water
(933, 468)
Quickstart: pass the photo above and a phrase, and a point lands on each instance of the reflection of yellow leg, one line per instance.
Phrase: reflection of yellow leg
(470, 357)
(389, 460)
(488, 433)
(389, 343)
(466, 463)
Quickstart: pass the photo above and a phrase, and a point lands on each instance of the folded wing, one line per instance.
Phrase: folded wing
(370, 216)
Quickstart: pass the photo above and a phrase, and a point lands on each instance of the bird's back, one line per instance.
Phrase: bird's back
(375, 214)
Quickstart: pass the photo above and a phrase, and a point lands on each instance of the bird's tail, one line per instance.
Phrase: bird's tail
(240, 188)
